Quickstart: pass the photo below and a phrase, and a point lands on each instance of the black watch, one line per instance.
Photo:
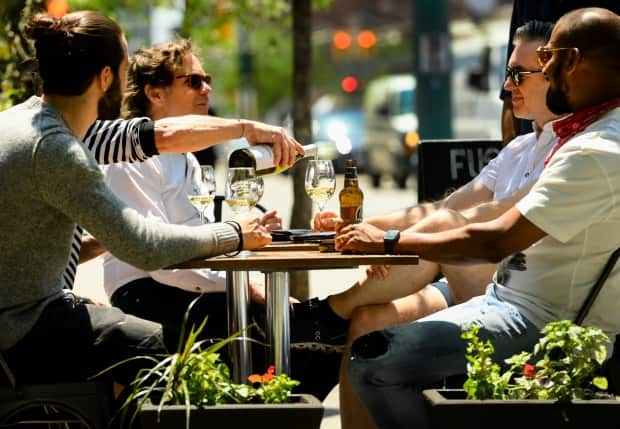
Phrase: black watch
(389, 241)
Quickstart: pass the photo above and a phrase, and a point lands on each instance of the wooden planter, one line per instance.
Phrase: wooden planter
(449, 408)
(304, 412)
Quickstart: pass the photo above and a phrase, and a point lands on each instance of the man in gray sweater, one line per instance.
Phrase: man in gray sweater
(50, 182)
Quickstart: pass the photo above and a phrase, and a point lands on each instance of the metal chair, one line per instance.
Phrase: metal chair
(445, 165)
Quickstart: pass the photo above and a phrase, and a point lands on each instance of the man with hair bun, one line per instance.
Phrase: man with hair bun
(51, 182)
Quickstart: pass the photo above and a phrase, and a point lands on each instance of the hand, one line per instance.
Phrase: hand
(271, 220)
(284, 147)
(325, 220)
(379, 272)
(255, 235)
(360, 238)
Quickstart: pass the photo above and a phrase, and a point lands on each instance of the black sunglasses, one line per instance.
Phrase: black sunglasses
(516, 76)
(195, 80)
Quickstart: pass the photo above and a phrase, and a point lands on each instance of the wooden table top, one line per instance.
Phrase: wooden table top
(297, 256)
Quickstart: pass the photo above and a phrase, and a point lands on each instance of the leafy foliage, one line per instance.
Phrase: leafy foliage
(568, 366)
(194, 375)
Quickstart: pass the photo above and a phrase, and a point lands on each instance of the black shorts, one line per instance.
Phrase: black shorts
(445, 291)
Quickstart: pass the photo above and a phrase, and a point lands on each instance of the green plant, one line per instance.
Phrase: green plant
(569, 358)
(194, 375)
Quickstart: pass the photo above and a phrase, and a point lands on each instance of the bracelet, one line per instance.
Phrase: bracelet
(242, 123)
(239, 231)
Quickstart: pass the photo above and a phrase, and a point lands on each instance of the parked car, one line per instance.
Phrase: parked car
(389, 115)
(338, 119)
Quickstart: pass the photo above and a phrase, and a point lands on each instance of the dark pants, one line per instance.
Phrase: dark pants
(149, 299)
(73, 340)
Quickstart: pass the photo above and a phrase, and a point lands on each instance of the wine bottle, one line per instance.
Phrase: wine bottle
(260, 157)
(351, 197)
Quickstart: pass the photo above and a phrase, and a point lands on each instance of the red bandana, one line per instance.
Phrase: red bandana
(566, 128)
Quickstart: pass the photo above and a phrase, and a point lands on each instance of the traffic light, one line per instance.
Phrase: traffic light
(57, 8)
(349, 84)
(345, 44)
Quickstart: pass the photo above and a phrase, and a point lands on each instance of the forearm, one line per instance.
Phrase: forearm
(487, 242)
(494, 209)
(403, 219)
(468, 245)
(194, 132)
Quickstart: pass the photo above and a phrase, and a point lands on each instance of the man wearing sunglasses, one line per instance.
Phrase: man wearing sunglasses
(404, 294)
(551, 246)
(541, 10)
(169, 80)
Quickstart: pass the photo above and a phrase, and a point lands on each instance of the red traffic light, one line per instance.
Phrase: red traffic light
(350, 84)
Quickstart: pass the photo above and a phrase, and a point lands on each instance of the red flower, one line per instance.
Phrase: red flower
(265, 378)
(529, 370)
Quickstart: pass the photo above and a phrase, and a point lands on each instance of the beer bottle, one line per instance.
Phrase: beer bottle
(260, 157)
(351, 196)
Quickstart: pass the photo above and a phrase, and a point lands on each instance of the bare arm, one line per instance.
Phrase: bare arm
(494, 209)
(194, 132)
(471, 244)
(467, 196)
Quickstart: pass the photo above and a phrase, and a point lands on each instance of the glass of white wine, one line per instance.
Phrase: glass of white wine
(260, 185)
(320, 181)
(202, 189)
(241, 190)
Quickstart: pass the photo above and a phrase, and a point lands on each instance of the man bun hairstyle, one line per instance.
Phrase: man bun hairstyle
(72, 49)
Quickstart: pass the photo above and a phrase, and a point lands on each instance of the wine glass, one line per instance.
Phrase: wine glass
(241, 190)
(260, 185)
(202, 189)
(320, 181)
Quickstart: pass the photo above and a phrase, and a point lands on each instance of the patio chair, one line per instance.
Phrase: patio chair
(445, 165)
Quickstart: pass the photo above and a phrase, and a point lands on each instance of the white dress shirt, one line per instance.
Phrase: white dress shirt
(157, 188)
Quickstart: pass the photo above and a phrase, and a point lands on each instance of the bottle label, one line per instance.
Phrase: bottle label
(263, 156)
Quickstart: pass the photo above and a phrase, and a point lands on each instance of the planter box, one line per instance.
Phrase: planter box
(448, 408)
(304, 412)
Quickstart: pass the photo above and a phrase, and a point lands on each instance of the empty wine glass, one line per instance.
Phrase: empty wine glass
(241, 190)
(320, 181)
(202, 189)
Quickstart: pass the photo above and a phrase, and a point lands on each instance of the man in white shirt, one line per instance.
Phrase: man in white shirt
(399, 294)
(176, 85)
(562, 233)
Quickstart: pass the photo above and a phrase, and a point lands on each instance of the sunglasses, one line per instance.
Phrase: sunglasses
(544, 54)
(195, 80)
(516, 76)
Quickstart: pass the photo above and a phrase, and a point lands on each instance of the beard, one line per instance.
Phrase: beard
(557, 101)
(109, 106)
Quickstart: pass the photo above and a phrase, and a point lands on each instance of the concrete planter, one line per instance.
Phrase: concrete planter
(304, 412)
(448, 408)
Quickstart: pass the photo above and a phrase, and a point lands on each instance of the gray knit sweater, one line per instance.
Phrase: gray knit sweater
(48, 182)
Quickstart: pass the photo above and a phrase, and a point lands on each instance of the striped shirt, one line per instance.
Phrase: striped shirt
(131, 140)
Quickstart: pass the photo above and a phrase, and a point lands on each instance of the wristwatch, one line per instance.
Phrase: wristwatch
(389, 240)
